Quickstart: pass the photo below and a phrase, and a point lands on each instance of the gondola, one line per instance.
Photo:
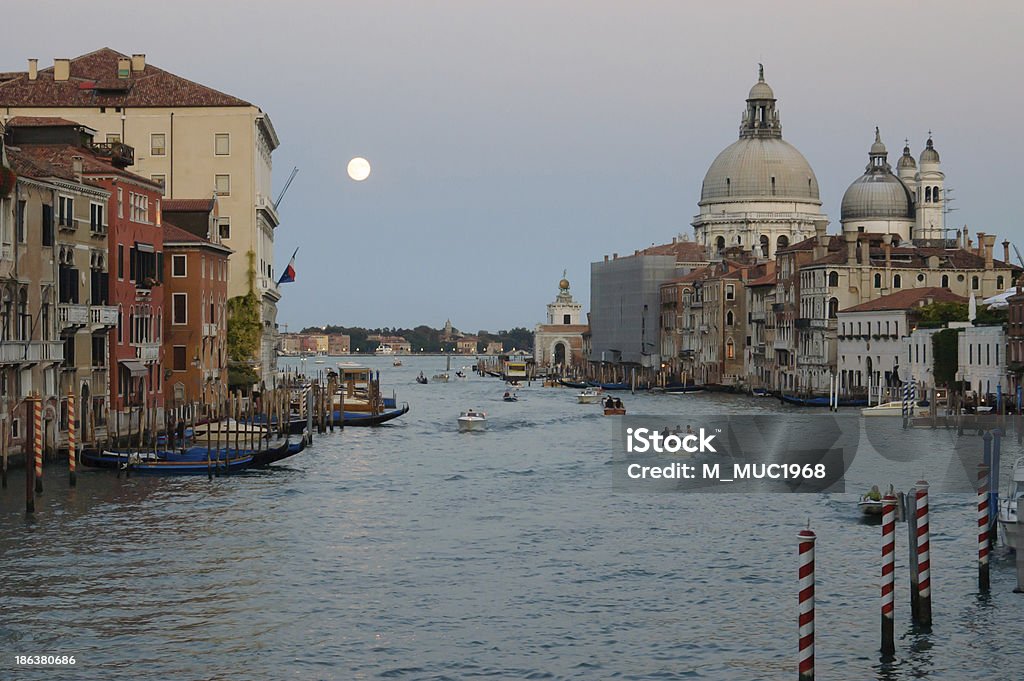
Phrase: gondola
(681, 388)
(360, 418)
(192, 461)
(609, 386)
(579, 385)
(820, 401)
(279, 453)
(495, 374)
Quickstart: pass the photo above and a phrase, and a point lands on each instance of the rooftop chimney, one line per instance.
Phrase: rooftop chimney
(1006, 250)
(851, 247)
(820, 240)
(76, 167)
(887, 249)
(61, 69)
(981, 244)
(138, 63)
(990, 245)
(124, 67)
(33, 69)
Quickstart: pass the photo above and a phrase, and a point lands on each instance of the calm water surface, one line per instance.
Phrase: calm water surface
(416, 552)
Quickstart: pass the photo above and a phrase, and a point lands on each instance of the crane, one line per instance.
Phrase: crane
(1017, 251)
(295, 171)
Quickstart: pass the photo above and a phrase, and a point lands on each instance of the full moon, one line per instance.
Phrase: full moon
(359, 169)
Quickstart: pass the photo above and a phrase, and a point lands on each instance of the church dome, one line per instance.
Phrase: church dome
(906, 160)
(761, 90)
(760, 169)
(929, 155)
(877, 194)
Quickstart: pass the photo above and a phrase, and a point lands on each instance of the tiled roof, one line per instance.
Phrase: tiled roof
(40, 122)
(685, 251)
(55, 160)
(175, 234)
(94, 83)
(28, 165)
(907, 299)
(767, 280)
(187, 205)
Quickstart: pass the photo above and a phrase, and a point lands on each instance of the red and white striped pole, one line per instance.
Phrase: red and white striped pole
(983, 525)
(805, 659)
(37, 420)
(924, 582)
(72, 440)
(888, 572)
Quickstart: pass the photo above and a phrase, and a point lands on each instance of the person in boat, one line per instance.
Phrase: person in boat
(874, 494)
(618, 403)
(609, 403)
(689, 430)
(507, 394)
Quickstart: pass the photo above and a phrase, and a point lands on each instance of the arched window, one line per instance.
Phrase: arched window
(730, 319)
(897, 281)
(974, 283)
(999, 282)
(927, 194)
(878, 280)
(728, 187)
(764, 246)
(730, 350)
(6, 315)
(782, 241)
(720, 244)
(833, 307)
(935, 194)
(24, 320)
(833, 279)
(945, 281)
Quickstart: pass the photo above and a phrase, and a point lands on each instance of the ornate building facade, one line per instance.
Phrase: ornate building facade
(558, 343)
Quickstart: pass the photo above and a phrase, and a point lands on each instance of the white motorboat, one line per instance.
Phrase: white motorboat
(439, 378)
(472, 420)
(384, 349)
(588, 396)
(1009, 506)
(888, 409)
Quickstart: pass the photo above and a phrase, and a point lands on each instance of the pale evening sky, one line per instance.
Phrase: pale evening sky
(510, 140)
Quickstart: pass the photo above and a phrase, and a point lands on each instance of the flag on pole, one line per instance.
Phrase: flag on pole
(289, 272)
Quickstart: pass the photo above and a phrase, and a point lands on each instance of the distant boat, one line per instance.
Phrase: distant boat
(472, 420)
(610, 386)
(676, 388)
(588, 396)
(396, 363)
(579, 385)
(761, 392)
(510, 397)
(820, 401)
(888, 409)
(192, 461)
(1010, 507)
(421, 379)
(384, 349)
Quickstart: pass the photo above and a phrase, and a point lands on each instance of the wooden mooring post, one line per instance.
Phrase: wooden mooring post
(72, 450)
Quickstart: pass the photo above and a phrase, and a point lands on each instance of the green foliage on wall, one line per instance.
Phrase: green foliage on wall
(243, 327)
(945, 346)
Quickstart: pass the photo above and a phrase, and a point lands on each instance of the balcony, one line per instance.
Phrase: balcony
(759, 316)
(210, 330)
(147, 352)
(120, 154)
(759, 349)
(822, 323)
(103, 315)
(71, 315)
(31, 352)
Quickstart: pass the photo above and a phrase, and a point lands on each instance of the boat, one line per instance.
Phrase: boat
(191, 461)
(227, 431)
(579, 385)
(440, 378)
(588, 396)
(614, 411)
(279, 453)
(493, 374)
(421, 379)
(384, 349)
(888, 409)
(761, 392)
(443, 377)
(396, 363)
(359, 401)
(870, 504)
(679, 388)
(472, 420)
(510, 397)
(1010, 506)
(318, 361)
(821, 401)
(609, 386)
(460, 373)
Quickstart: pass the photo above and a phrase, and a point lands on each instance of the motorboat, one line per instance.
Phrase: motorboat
(614, 407)
(460, 373)
(870, 504)
(588, 396)
(888, 409)
(396, 363)
(1009, 507)
(384, 349)
(359, 401)
(472, 420)
(510, 397)
(421, 379)
(761, 392)
(440, 378)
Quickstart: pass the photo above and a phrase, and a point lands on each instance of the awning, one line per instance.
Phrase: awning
(145, 248)
(136, 368)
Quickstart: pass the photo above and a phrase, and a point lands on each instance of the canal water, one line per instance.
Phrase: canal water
(413, 551)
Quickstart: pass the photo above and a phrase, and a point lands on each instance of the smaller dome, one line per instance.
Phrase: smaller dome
(564, 284)
(877, 196)
(929, 155)
(906, 160)
(761, 90)
(878, 148)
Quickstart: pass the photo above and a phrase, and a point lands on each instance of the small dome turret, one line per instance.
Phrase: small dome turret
(907, 159)
(877, 194)
(929, 155)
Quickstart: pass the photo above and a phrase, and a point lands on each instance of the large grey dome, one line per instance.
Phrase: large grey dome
(877, 194)
(760, 168)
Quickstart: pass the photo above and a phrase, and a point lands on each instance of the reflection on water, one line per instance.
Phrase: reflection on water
(413, 551)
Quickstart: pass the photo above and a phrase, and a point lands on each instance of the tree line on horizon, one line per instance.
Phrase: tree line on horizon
(426, 339)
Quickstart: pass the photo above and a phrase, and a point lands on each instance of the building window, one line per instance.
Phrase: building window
(945, 281)
(178, 266)
(97, 221)
(897, 281)
(47, 224)
(113, 138)
(179, 313)
(730, 292)
(999, 282)
(162, 181)
(66, 211)
(224, 225)
(120, 199)
(222, 144)
(730, 319)
(567, 319)
(833, 308)
(730, 350)
(222, 184)
(179, 358)
(974, 283)
(833, 279)
(158, 144)
(878, 280)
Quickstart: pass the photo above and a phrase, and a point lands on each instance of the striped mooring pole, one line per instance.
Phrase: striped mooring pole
(983, 525)
(888, 572)
(924, 584)
(805, 659)
(72, 440)
(37, 421)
